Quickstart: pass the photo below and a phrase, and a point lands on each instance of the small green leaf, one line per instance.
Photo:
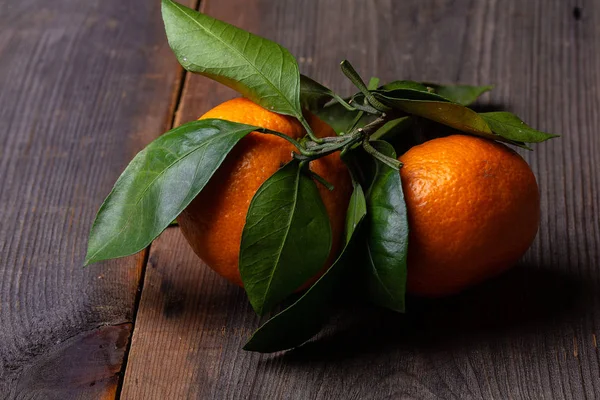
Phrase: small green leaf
(511, 127)
(461, 94)
(313, 95)
(158, 184)
(286, 239)
(305, 317)
(386, 244)
(373, 83)
(261, 70)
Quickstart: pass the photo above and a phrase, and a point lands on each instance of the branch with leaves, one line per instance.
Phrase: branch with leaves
(373, 125)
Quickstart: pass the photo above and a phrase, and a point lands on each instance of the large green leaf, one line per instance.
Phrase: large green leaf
(305, 317)
(461, 94)
(286, 239)
(158, 184)
(260, 69)
(509, 126)
(387, 235)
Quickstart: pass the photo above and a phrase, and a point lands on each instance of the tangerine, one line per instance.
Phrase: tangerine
(473, 210)
(214, 221)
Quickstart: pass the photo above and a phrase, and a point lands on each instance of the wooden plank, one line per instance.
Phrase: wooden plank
(86, 366)
(85, 85)
(530, 334)
(183, 327)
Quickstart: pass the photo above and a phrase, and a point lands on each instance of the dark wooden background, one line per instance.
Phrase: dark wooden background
(84, 85)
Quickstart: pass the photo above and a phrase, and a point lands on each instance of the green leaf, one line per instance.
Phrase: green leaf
(387, 235)
(313, 95)
(461, 94)
(410, 85)
(400, 133)
(305, 317)
(259, 69)
(357, 209)
(286, 239)
(158, 184)
(511, 127)
(339, 118)
(446, 113)
(373, 83)
(399, 94)
(409, 90)
(392, 128)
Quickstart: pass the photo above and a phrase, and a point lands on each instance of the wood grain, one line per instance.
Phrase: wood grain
(84, 86)
(530, 334)
(85, 366)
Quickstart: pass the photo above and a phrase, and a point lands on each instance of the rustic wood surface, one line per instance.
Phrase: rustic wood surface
(85, 86)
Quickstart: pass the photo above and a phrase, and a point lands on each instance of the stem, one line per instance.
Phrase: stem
(355, 121)
(373, 82)
(389, 161)
(355, 78)
(312, 150)
(309, 130)
(336, 142)
(328, 148)
(321, 180)
(343, 102)
(334, 139)
(372, 127)
(366, 108)
(283, 136)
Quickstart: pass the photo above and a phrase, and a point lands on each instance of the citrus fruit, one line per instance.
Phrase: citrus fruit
(473, 210)
(214, 221)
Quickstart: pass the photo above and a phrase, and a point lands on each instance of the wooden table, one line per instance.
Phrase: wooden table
(87, 84)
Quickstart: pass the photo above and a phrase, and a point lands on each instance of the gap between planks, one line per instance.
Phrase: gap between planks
(174, 119)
